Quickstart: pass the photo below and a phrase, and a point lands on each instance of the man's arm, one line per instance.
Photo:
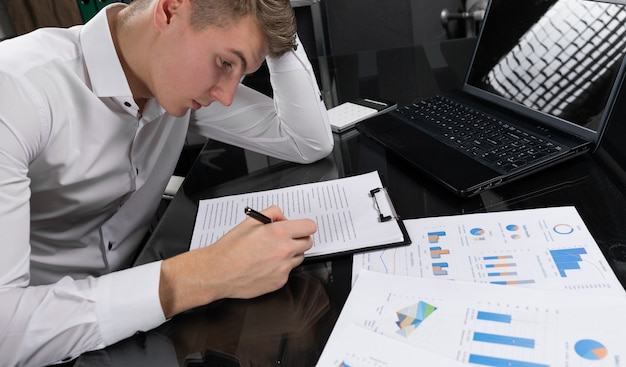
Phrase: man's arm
(292, 126)
(43, 324)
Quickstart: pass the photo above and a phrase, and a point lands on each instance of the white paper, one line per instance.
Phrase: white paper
(488, 325)
(361, 347)
(343, 209)
(548, 248)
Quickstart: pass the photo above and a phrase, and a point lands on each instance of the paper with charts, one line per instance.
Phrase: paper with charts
(345, 212)
(360, 347)
(548, 248)
(487, 325)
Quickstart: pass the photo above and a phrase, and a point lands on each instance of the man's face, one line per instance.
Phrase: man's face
(195, 68)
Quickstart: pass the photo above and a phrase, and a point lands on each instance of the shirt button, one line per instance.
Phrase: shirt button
(110, 245)
(127, 104)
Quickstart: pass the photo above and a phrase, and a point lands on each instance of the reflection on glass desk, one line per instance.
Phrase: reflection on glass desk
(290, 326)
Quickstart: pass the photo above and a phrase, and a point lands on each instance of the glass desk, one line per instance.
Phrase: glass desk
(290, 326)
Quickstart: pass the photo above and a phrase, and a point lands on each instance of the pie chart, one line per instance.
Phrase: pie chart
(477, 231)
(590, 349)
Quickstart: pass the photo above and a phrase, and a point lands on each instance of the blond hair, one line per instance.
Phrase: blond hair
(275, 18)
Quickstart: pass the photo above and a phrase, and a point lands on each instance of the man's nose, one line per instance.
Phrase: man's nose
(224, 91)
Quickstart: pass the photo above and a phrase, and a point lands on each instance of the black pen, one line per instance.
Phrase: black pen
(256, 215)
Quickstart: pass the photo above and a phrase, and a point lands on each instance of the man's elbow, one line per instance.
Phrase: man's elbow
(314, 154)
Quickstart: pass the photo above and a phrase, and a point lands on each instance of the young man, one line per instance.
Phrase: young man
(92, 120)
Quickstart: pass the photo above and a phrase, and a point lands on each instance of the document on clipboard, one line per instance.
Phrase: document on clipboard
(352, 214)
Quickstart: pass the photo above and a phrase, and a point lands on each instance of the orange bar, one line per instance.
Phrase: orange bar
(440, 252)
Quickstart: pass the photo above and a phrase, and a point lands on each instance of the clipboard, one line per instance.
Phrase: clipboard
(353, 214)
(388, 214)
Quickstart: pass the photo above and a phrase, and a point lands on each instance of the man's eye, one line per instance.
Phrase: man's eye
(226, 64)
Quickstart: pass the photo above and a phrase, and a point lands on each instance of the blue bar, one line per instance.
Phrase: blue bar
(567, 259)
(564, 257)
(497, 257)
(504, 265)
(509, 282)
(566, 266)
(502, 362)
(440, 234)
(568, 255)
(504, 273)
(443, 265)
(491, 316)
(505, 340)
(568, 252)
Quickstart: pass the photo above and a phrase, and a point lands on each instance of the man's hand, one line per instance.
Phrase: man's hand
(250, 260)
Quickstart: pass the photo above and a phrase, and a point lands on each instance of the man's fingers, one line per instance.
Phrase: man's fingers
(274, 213)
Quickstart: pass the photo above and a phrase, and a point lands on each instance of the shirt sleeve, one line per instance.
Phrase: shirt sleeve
(44, 324)
(292, 126)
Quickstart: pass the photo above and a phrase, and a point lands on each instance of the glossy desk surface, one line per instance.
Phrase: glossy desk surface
(290, 327)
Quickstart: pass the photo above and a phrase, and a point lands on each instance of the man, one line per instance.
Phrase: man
(92, 120)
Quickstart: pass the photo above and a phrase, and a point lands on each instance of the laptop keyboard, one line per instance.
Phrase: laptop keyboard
(492, 141)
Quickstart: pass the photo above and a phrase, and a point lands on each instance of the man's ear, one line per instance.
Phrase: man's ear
(165, 11)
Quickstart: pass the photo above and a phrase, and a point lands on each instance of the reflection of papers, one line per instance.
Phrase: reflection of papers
(343, 209)
(360, 347)
(547, 248)
(488, 325)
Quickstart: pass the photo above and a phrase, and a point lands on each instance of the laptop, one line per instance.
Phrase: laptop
(541, 87)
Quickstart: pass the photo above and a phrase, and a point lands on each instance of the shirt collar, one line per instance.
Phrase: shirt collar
(103, 66)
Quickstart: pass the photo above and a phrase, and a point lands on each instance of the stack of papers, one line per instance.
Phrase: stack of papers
(522, 288)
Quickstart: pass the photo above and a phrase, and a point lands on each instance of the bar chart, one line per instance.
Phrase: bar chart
(548, 248)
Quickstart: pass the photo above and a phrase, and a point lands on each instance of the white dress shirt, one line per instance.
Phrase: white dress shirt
(82, 172)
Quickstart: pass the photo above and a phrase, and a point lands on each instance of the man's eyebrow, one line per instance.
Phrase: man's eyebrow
(242, 58)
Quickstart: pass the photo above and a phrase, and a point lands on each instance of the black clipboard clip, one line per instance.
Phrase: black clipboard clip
(381, 216)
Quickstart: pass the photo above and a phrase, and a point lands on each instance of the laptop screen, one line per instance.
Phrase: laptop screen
(554, 60)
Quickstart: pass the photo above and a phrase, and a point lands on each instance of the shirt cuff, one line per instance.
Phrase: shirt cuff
(128, 301)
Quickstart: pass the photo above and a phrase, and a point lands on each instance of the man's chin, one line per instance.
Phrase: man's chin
(178, 112)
